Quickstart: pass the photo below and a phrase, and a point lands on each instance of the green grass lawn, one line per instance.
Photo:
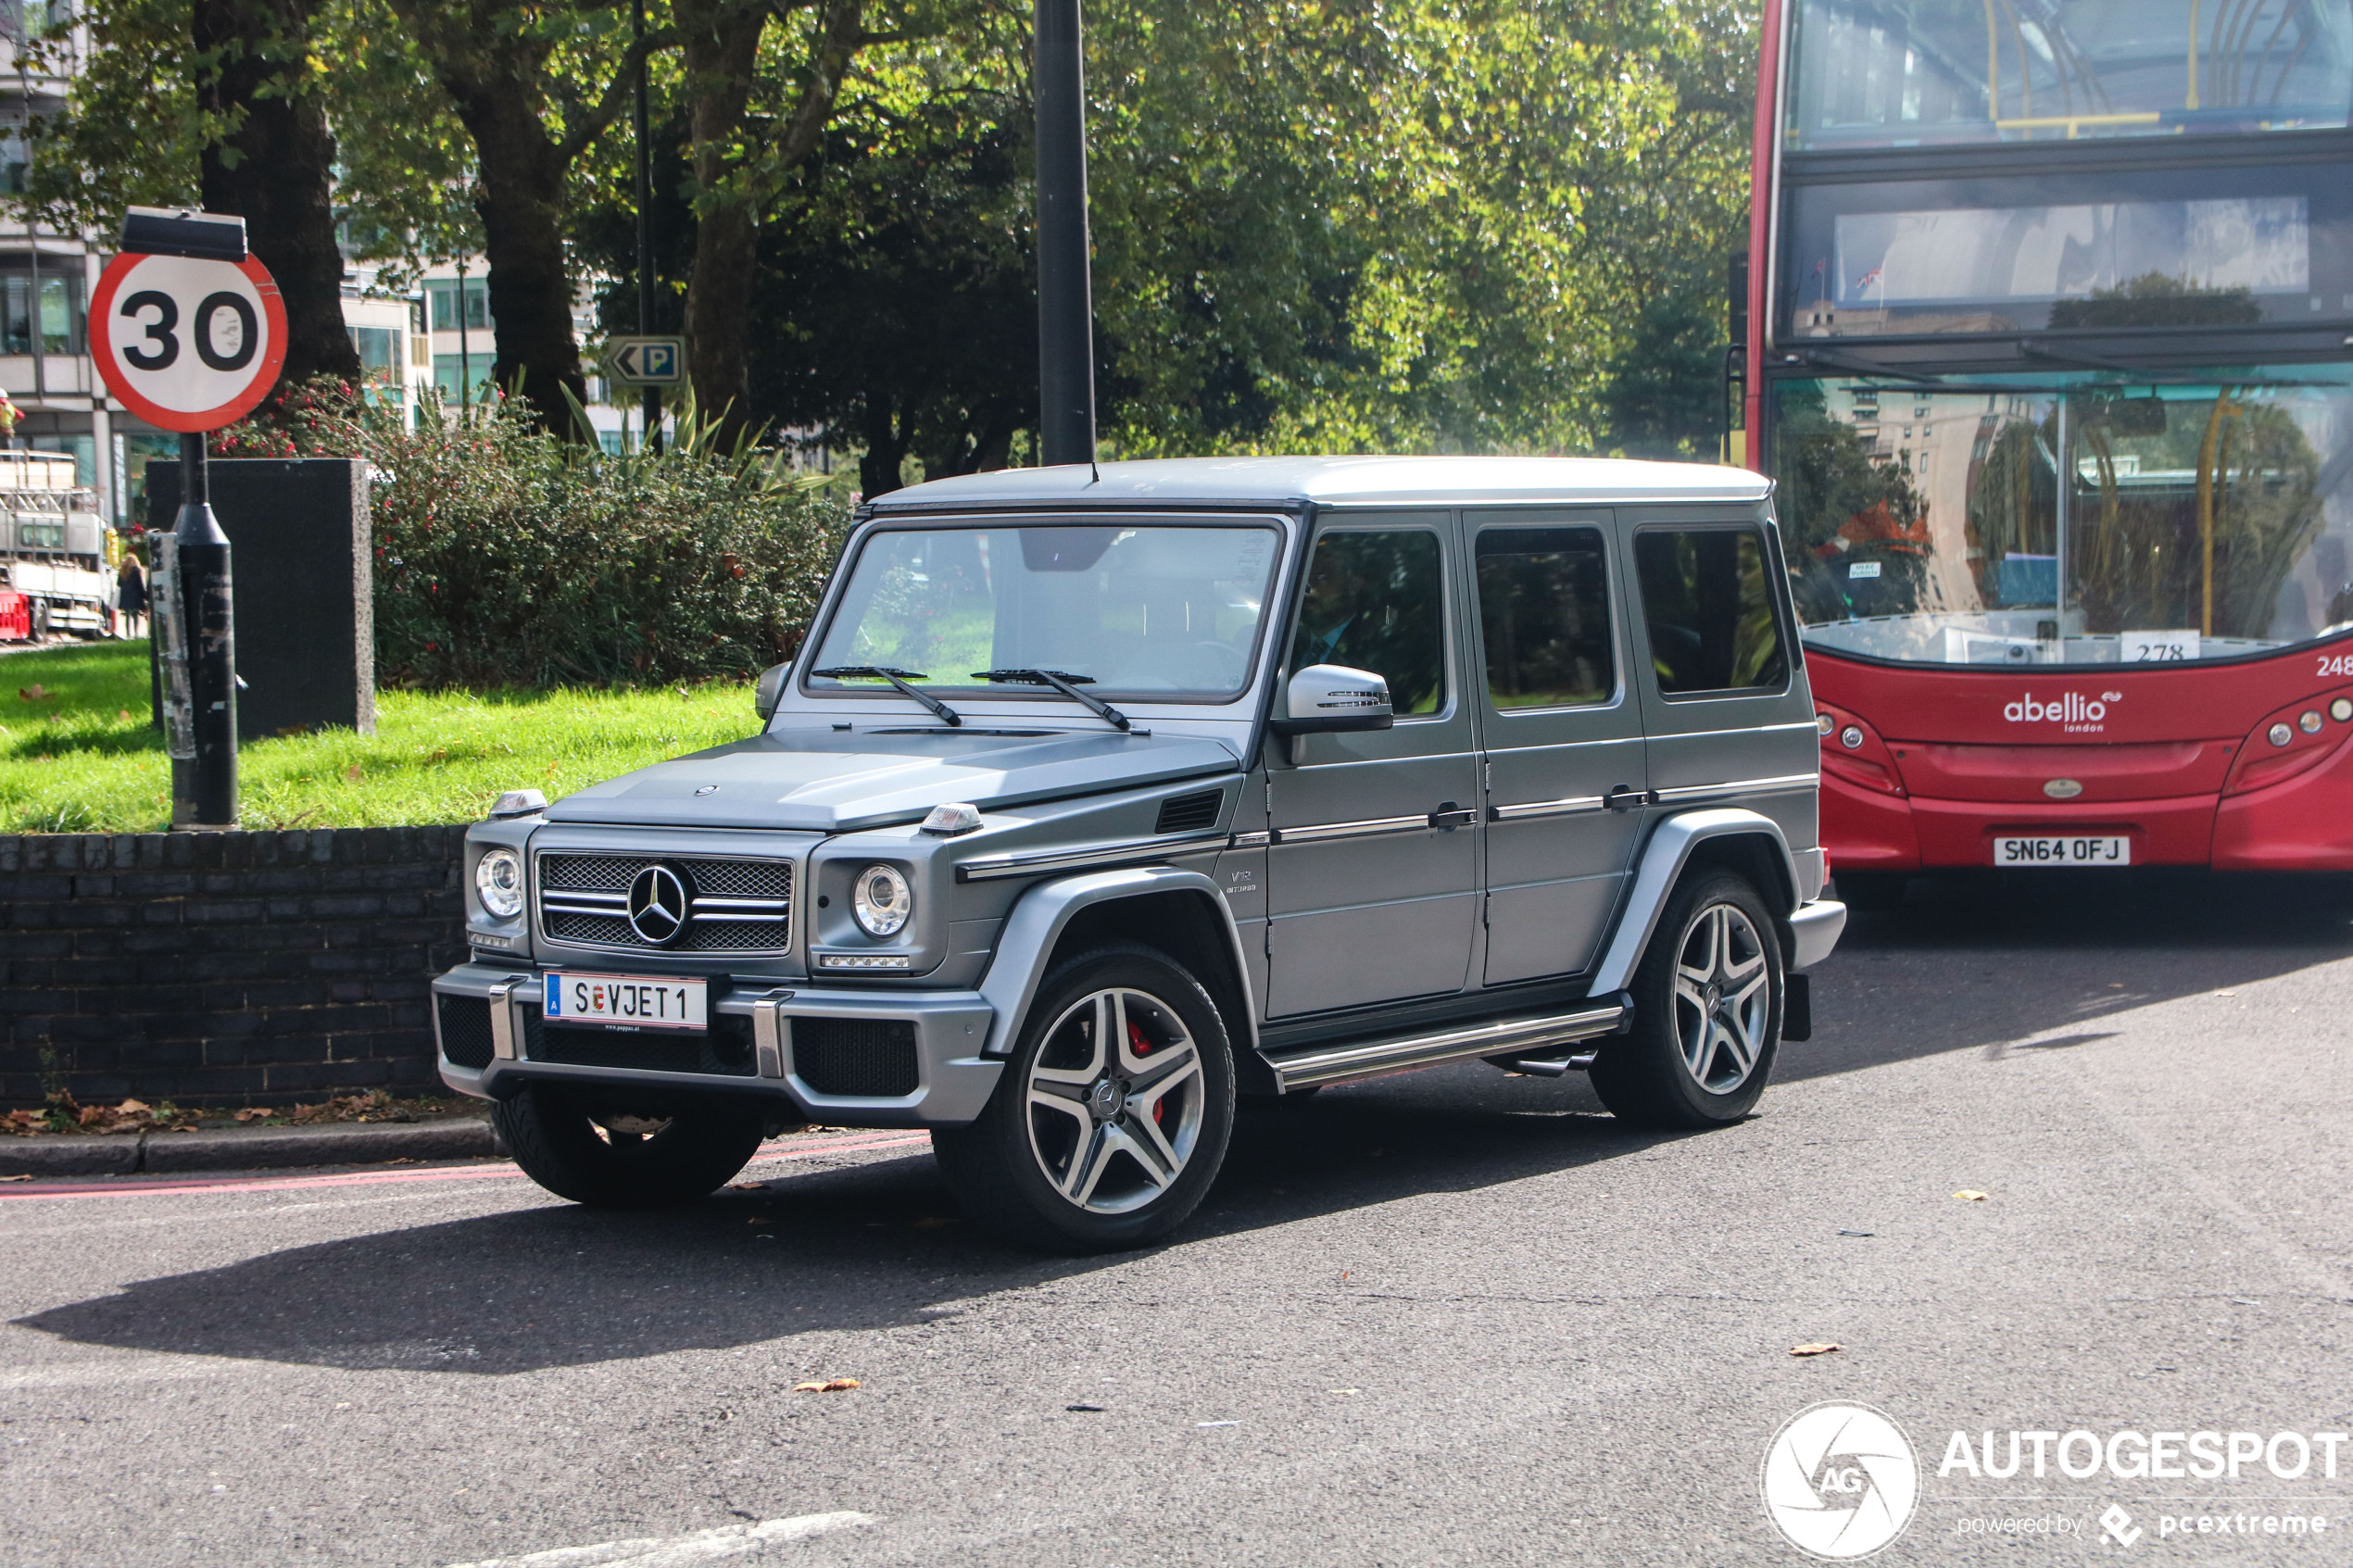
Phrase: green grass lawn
(76, 754)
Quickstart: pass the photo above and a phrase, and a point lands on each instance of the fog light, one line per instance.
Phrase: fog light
(1851, 737)
(2309, 721)
(1824, 722)
(863, 960)
(2281, 735)
(2341, 710)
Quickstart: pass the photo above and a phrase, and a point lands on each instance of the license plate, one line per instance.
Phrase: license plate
(634, 1001)
(2052, 850)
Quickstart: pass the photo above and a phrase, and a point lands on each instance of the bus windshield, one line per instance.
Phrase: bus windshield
(1879, 73)
(2030, 523)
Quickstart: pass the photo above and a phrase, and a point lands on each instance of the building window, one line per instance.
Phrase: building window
(60, 313)
(379, 361)
(443, 293)
(450, 372)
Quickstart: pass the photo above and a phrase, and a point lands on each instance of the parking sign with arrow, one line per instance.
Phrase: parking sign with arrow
(646, 361)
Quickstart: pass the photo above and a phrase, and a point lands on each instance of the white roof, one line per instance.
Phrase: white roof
(1342, 481)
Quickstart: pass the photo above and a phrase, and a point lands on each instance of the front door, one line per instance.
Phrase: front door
(1563, 733)
(1372, 878)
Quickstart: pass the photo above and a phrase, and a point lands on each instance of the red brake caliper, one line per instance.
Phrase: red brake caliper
(1137, 1043)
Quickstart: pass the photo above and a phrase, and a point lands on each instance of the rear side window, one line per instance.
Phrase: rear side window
(1710, 609)
(1376, 601)
(1543, 617)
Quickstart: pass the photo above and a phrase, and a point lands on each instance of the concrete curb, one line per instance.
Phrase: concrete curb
(249, 1148)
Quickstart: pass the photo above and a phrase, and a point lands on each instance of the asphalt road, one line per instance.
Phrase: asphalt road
(1451, 1318)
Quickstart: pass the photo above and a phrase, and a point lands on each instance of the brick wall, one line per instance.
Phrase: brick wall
(223, 968)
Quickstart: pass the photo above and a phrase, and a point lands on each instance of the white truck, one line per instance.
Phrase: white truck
(54, 572)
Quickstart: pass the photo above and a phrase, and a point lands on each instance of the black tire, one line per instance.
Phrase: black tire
(1874, 892)
(1699, 1054)
(561, 1142)
(1014, 1168)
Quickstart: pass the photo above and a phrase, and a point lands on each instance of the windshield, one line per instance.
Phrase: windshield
(1153, 613)
(2025, 524)
(1882, 73)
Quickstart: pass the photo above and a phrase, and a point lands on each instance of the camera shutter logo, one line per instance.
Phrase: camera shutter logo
(657, 905)
(1839, 1481)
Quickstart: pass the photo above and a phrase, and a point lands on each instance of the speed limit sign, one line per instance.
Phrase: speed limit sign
(188, 342)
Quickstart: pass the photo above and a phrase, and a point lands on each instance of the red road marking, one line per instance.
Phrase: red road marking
(101, 1186)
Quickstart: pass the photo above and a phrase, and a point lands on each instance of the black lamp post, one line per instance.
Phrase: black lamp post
(1065, 297)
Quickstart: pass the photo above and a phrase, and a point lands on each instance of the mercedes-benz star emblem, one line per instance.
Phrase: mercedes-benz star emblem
(657, 905)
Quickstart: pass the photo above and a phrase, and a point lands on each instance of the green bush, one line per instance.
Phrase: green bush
(505, 557)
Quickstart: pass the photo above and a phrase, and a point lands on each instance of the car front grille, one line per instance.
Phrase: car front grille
(465, 1031)
(735, 906)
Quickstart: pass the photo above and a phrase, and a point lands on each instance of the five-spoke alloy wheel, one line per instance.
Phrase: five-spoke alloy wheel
(1114, 1112)
(1707, 1011)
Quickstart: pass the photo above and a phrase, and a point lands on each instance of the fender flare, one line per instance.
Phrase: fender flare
(1045, 911)
(1664, 856)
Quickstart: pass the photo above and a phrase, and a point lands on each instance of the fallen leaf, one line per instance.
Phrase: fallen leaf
(1970, 1195)
(253, 1113)
(23, 1178)
(1823, 1349)
(828, 1385)
(133, 1106)
(352, 772)
(34, 692)
(123, 713)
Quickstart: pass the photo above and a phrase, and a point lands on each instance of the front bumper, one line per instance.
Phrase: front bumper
(953, 1079)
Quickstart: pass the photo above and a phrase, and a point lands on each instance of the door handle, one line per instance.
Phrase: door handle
(1449, 815)
(1622, 799)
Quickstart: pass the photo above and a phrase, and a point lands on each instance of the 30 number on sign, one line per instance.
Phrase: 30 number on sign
(188, 343)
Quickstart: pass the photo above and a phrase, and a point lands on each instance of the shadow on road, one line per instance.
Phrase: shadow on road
(1971, 963)
(863, 1247)
(1990, 959)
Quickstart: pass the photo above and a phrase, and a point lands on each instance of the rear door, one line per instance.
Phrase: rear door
(1723, 697)
(1372, 880)
(1563, 736)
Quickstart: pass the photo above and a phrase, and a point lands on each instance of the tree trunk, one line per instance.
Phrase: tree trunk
(722, 40)
(495, 74)
(522, 219)
(275, 169)
(887, 441)
(722, 57)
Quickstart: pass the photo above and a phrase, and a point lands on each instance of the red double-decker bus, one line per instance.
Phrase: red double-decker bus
(2048, 341)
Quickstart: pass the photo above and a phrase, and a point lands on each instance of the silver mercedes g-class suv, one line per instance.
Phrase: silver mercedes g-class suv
(1096, 799)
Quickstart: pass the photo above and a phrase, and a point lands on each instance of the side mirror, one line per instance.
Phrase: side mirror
(770, 691)
(1326, 698)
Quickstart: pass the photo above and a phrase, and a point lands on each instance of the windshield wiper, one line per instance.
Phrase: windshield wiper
(1062, 682)
(895, 677)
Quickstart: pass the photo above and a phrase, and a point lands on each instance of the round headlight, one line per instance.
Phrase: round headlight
(881, 901)
(498, 879)
(1851, 738)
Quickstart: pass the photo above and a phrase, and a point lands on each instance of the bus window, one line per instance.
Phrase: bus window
(2118, 524)
(1709, 609)
(1879, 73)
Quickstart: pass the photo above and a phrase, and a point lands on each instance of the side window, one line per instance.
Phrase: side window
(1543, 616)
(1376, 601)
(1710, 610)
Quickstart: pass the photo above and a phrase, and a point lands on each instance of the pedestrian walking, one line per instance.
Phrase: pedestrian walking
(131, 596)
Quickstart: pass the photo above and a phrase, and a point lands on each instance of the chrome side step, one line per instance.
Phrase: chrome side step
(1367, 1059)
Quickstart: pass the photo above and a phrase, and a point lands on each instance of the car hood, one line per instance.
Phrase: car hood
(833, 783)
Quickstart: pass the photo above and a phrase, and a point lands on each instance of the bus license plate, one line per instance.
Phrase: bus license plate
(635, 1001)
(2051, 849)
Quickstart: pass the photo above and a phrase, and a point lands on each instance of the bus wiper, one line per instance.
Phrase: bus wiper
(895, 677)
(1062, 682)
